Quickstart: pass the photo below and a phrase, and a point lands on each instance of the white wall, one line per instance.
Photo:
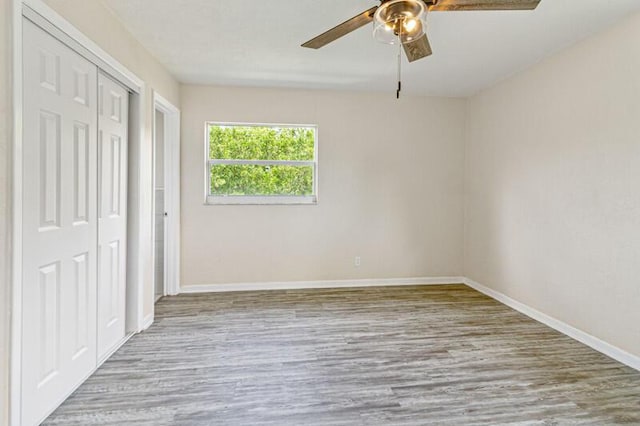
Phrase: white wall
(390, 190)
(103, 27)
(553, 186)
(5, 152)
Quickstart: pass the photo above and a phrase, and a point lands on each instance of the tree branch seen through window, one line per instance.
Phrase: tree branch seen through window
(272, 162)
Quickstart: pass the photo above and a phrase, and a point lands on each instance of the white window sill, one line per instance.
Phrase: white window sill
(264, 200)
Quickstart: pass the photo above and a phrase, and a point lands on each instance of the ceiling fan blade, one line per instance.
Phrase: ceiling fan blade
(454, 5)
(417, 49)
(341, 30)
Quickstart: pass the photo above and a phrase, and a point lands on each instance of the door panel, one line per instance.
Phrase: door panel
(81, 167)
(59, 222)
(82, 281)
(112, 224)
(49, 322)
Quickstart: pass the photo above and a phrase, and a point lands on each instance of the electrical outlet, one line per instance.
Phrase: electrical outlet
(356, 261)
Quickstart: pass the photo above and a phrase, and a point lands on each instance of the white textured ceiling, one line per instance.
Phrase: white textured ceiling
(257, 42)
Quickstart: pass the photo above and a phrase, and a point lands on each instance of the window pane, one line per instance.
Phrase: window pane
(261, 180)
(261, 143)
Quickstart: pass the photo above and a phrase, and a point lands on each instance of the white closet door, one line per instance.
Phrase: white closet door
(112, 208)
(59, 223)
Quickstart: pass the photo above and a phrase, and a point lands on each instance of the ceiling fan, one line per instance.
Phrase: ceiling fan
(404, 21)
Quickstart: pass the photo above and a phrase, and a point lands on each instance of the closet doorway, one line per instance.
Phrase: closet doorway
(166, 178)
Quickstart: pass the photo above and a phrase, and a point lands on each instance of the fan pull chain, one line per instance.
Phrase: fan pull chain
(399, 69)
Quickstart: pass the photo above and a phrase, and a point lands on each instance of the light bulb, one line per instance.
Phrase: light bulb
(410, 24)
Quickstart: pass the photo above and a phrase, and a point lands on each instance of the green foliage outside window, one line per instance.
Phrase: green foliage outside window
(266, 144)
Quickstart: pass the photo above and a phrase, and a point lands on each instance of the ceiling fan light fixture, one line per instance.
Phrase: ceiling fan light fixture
(399, 21)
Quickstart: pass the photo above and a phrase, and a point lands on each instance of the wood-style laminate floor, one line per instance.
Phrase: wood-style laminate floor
(437, 355)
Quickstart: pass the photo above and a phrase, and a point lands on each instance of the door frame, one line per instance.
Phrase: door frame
(139, 251)
(171, 192)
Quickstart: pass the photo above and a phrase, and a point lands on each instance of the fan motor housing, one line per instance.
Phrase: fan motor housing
(400, 9)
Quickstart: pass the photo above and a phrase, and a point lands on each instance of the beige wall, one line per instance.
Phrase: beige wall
(5, 152)
(553, 187)
(390, 190)
(100, 25)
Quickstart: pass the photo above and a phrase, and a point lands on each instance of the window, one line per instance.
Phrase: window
(261, 164)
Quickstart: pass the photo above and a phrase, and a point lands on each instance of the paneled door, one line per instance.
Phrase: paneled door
(112, 208)
(59, 223)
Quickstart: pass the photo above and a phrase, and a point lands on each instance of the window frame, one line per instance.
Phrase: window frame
(211, 199)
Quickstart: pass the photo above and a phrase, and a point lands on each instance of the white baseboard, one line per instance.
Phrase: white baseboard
(297, 285)
(147, 321)
(112, 351)
(564, 328)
